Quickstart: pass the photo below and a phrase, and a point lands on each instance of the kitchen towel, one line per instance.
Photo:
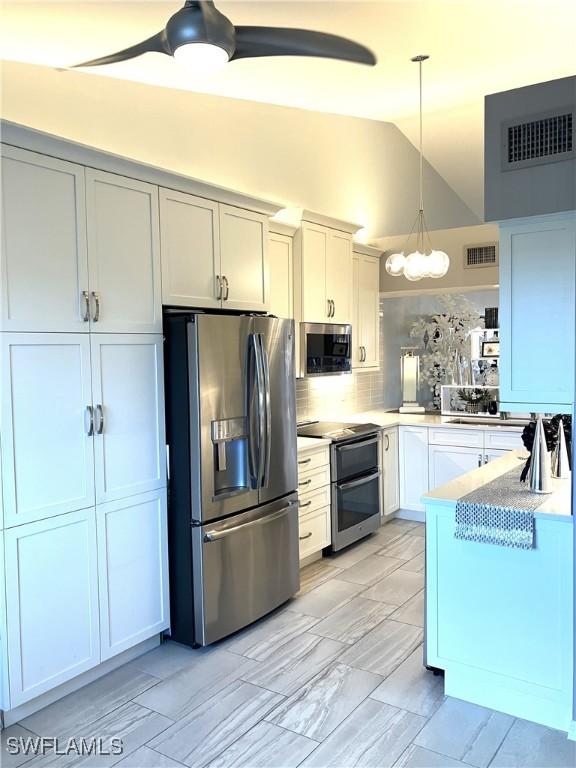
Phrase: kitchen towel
(500, 512)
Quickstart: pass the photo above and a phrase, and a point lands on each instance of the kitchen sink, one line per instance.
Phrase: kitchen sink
(499, 423)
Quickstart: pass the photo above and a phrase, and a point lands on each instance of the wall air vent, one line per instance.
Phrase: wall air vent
(545, 139)
(480, 255)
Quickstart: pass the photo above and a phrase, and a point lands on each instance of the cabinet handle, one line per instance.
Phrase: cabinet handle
(387, 442)
(304, 461)
(333, 308)
(218, 288)
(100, 419)
(305, 504)
(89, 414)
(479, 459)
(329, 310)
(96, 297)
(86, 298)
(225, 281)
(305, 482)
(486, 459)
(306, 536)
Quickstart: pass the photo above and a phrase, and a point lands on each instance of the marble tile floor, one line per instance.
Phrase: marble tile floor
(333, 678)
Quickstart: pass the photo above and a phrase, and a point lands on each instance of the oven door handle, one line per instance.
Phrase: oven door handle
(357, 444)
(360, 481)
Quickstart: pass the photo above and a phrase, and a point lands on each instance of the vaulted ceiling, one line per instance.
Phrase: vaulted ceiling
(476, 47)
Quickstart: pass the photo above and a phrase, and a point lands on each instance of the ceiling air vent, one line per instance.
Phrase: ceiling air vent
(545, 139)
(480, 255)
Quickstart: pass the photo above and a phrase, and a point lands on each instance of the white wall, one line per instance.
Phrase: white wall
(359, 170)
(452, 241)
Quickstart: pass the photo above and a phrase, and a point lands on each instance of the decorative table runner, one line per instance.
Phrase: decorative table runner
(500, 512)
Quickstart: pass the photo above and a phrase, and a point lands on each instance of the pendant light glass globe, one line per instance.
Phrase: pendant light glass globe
(201, 58)
(415, 266)
(439, 263)
(395, 264)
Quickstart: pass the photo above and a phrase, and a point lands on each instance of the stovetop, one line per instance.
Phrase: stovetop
(336, 430)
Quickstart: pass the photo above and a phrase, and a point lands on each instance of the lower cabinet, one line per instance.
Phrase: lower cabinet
(51, 602)
(390, 472)
(132, 571)
(314, 531)
(447, 462)
(314, 495)
(413, 452)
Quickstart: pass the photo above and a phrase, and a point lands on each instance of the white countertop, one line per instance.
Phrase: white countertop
(557, 504)
(395, 419)
(308, 443)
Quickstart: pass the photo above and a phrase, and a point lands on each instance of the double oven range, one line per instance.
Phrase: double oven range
(356, 483)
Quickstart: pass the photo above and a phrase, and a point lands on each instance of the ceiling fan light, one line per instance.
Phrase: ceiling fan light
(395, 264)
(201, 58)
(438, 263)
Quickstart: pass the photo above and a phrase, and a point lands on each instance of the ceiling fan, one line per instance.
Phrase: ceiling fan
(200, 36)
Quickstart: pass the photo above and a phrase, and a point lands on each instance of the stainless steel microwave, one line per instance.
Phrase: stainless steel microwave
(325, 349)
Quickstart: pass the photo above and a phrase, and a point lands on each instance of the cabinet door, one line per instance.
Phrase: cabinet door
(51, 603)
(190, 249)
(368, 310)
(123, 254)
(492, 455)
(281, 275)
(132, 571)
(47, 451)
(537, 278)
(390, 472)
(339, 275)
(130, 442)
(244, 259)
(357, 356)
(446, 463)
(314, 253)
(44, 267)
(413, 452)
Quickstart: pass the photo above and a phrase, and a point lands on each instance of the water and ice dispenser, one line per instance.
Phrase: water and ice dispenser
(230, 454)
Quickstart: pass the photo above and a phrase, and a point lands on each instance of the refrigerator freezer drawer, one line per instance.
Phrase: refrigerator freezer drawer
(244, 567)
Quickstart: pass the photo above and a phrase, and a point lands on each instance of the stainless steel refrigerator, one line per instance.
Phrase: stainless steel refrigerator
(233, 508)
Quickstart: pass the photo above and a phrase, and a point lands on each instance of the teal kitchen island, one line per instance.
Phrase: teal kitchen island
(499, 621)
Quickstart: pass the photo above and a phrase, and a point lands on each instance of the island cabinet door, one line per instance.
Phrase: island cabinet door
(413, 467)
(51, 603)
(132, 571)
(446, 463)
(123, 254)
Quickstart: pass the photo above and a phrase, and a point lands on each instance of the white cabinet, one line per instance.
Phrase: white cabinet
(324, 274)
(52, 602)
(213, 255)
(365, 317)
(128, 392)
(190, 246)
(339, 275)
(447, 462)
(123, 254)
(280, 257)
(44, 265)
(315, 531)
(47, 452)
(390, 471)
(133, 571)
(413, 451)
(244, 259)
(537, 280)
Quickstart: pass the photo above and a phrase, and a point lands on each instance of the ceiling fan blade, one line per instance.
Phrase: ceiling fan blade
(155, 44)
(284, 41)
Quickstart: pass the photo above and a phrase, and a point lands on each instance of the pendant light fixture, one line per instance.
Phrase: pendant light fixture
(419, 263)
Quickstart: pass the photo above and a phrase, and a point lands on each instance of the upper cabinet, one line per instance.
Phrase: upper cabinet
(365, 307)
(323, 274)
(44, 263)
(281, 263)
(213, 255)
(123, 254)
(537, 307)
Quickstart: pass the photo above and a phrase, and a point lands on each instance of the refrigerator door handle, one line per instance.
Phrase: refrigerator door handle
(256, 405)
(267, 415)
(216, 535)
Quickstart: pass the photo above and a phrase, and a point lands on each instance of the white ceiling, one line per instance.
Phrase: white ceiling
(476, 47)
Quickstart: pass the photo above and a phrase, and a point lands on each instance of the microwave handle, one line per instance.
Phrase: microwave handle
(360, 481)
(357, 444)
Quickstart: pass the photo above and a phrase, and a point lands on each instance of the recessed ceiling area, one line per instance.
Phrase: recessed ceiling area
(476, 47)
